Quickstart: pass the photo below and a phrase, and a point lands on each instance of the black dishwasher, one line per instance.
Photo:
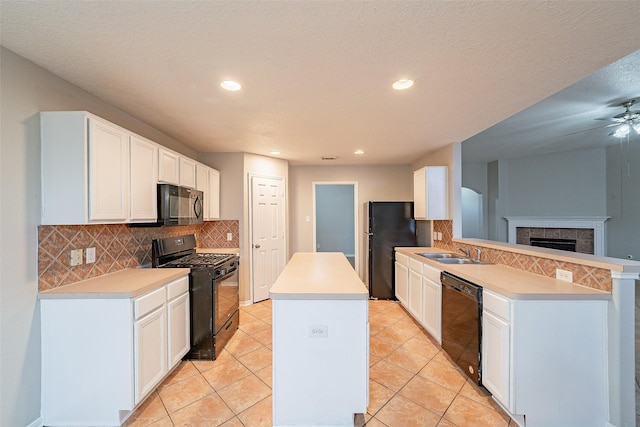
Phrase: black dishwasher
(462, 324)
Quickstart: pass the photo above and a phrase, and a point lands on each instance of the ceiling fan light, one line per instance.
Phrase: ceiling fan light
(636, 127)
(622, 131)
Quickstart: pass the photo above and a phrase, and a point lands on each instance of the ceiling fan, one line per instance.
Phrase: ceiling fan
(624, 122)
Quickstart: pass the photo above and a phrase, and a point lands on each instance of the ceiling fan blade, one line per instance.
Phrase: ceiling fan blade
(589, 130)
(610, 119)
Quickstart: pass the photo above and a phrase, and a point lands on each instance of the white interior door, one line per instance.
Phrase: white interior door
(267, 234)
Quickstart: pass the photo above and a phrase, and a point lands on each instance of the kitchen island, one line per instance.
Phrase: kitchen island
(320, 342)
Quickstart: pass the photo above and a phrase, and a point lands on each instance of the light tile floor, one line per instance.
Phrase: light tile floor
(412, 382)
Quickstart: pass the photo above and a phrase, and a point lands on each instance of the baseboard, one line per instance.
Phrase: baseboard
(245, 303)
(36, 423)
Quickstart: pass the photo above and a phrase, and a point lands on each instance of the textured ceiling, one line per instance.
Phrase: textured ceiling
(316, 75)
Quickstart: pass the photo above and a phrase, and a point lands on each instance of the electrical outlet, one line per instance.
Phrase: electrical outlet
(76, 257)
(229, 236)
(90, 255)
(564, 275)
(439, 235)
(318, 331)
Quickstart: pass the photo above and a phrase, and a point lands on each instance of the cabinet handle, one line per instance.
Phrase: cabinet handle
(256, 246)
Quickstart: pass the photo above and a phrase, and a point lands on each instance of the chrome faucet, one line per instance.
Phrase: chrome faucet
(479, 251)
(465, 251)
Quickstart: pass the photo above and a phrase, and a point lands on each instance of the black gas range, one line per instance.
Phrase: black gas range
(213, 292)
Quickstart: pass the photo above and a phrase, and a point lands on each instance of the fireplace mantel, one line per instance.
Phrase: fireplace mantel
(595, 223)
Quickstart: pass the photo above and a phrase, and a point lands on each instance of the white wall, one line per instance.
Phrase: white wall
(235, 169)
(375, 183)
(27, 89)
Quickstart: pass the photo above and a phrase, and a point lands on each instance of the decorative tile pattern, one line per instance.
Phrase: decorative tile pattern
(592, 277)
(117, 247)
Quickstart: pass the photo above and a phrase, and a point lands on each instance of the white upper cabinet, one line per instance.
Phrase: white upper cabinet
(187, 172)
(214, 194)
(430, 193)
(176, 169)
(85, 169)
(144, 176)
(168, 167)
(208, 181)
(95, 172)
(108, 171)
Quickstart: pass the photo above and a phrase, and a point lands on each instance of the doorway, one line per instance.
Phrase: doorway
(335, 219)
(268, 246)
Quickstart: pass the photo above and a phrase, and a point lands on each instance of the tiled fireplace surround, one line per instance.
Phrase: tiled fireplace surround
(597, 278)
(117, 247)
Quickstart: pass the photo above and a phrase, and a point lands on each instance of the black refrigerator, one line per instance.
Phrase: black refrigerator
(390, 224)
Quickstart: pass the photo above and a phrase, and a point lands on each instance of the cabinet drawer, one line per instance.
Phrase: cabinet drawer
(149, 302)
(431, 273)
(177, 287)
(497, 304)
(415, 265)
(402, 259)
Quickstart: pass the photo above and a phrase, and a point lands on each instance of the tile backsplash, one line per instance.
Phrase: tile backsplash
(117, 247)
(592, 277)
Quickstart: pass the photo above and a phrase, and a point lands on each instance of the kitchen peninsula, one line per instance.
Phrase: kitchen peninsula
(320, 342)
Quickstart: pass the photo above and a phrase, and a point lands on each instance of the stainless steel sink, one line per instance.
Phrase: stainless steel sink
(459, 261)
(436, 255)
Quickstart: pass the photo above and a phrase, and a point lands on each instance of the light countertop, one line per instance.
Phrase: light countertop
(509, 281)
(128, 283)
(318, 276)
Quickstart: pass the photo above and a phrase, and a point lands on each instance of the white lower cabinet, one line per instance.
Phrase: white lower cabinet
(415, 290)
(419, 290)
(178, 321)
(542, 359)
(402, 278)
(150, 336)
(496, 347)
(102, 356)
(432, 301)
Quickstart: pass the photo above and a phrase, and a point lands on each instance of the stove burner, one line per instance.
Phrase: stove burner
(200, 260)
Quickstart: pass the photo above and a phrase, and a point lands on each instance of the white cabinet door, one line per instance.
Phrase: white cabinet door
(150, 337)
(496, 336)
(432, 308)
(415, 294)
(144, 176)
(168, 167)
(178, 321)
(187, 172)
(202, 184)
(402, 284)
(108, 172)
(430, 193)
(214, 195)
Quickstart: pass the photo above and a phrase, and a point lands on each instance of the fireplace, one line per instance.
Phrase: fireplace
(583, 235)
(561, 244)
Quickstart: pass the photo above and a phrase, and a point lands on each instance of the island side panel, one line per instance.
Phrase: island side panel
(320, 380)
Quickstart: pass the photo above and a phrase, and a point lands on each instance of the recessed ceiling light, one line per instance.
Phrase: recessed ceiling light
(358, 152)
(230, 85)
(275, 152)
(402, 84)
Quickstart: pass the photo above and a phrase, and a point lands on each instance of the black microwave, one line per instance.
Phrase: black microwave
(179, 205)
